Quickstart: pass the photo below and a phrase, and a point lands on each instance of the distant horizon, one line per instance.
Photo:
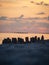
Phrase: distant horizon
(25, 32)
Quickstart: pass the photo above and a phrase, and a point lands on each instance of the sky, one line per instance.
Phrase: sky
(24, 16)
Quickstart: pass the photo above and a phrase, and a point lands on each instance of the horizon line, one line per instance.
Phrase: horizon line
(25, 32)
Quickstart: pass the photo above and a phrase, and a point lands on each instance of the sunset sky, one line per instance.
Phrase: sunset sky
(24, 16)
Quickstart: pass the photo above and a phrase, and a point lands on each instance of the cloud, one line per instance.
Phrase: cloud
(36, 18)
(46, 4)
(21, 16)
(40, 13)
(39, 3)
(13, 19)
(47, 18)
(31, 1)
(3, 18)
(35, 24)
(43, 24)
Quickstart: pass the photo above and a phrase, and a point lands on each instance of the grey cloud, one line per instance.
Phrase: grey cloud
(41, 3)
(12, 19)
(46, 4)
(31, 1)
(38, 18)
(18, 24)
(29, 19)
(3, 18)
(35, 18)
(41, 13)
(21, 16)
(47, 18)
(17, 19)
(37, 3)
(43, 24)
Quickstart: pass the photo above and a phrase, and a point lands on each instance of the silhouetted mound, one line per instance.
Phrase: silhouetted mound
(14, 40)
(21, 40)
(24, 54)
(8, 40)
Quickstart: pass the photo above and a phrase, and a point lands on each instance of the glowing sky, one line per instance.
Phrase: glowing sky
(24, 16)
